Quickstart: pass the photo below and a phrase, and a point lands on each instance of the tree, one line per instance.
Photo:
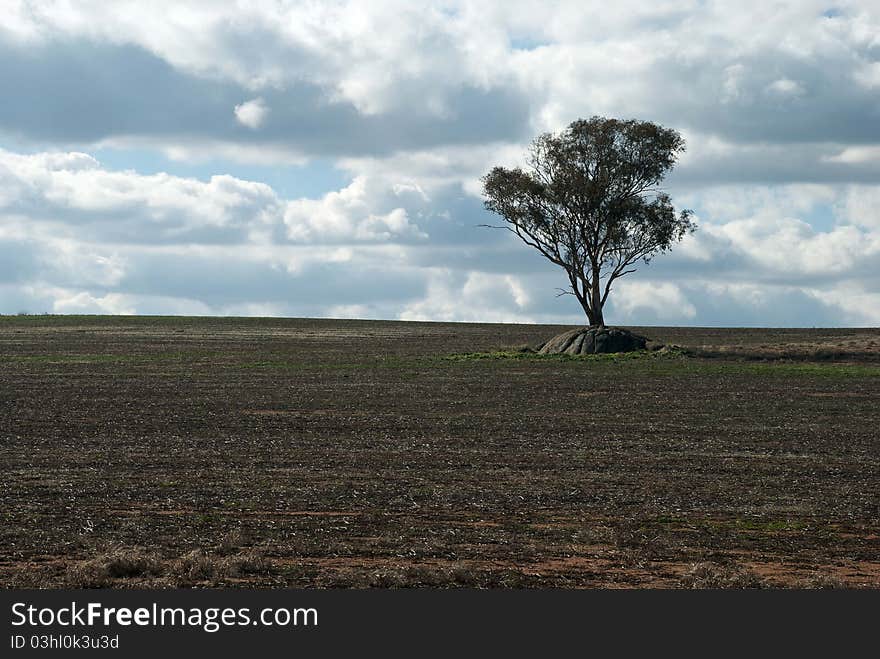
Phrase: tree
(589, 202)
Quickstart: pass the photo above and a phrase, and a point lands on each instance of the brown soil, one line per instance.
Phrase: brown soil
(299, 453)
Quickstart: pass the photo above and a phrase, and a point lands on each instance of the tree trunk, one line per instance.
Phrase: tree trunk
(595, 314)
(595, 317)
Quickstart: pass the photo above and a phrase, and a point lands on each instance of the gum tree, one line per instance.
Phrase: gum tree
(589, 201)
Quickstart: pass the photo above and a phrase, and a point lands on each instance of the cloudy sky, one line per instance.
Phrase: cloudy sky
(323, 159)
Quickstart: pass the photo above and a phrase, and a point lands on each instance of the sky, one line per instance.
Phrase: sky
(311, 159)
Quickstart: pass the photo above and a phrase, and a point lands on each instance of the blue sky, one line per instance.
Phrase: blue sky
(310, 178)
(302, 159)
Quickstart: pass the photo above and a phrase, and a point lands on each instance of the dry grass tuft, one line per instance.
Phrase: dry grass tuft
(245, 564)
(132, 566)
(232, 542)
(119, 563)
(821, 581)
(715, 575)
(430, 576)
(196, 566)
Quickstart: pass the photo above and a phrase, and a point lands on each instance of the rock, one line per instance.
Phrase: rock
(560, 342)
(592, 340)
(575, 347)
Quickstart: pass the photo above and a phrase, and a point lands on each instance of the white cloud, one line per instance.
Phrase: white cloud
(85, 303)
(397, 53)
(85, 264)
(349, 213)
(664, 300)
(73, 189)
(477, 297)
(857, 155)
(252, 113)
(861, 206)
(736, 202)
(425, 170)
(785, 87)
(52, 185)
(868, 75)
(733, 78)
(95, 240)
(361, 311)
(859, 307)
(87, 235)
(788, 245)
(201, 151)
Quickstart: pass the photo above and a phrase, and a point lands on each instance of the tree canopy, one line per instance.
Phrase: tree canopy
(589, 201)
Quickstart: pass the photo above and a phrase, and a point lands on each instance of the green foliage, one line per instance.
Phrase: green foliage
(590, 203)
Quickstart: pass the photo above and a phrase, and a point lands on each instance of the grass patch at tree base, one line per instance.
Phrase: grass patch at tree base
(531, 355)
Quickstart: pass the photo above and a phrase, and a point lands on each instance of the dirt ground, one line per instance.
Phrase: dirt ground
(326, 453)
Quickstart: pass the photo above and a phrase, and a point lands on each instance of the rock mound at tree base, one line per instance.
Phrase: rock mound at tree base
(593, 340)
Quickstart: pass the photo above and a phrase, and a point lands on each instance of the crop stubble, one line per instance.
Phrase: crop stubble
(299, 453)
